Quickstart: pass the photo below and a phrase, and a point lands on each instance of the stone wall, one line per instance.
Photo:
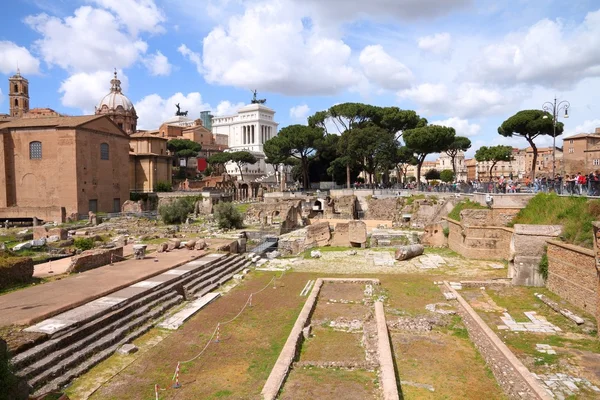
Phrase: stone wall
(488, 217)
(340, 234)
(14, 270)
(513, 200)
(287, 214)
(341, 207)
(528, 246)
(572, 275)
(480, 243)
(40, 232)
(386, 209)
(91, 259)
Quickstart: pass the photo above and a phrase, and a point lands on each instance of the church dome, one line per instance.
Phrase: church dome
(115, 98)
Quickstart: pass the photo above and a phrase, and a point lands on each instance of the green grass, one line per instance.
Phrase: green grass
(412, 199)
(575, 214)
(242, 208)
(306, 253)
(463, 205)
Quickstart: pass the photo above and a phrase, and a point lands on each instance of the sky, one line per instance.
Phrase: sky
(469, 64)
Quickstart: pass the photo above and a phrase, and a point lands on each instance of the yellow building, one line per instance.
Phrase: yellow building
(149, 162)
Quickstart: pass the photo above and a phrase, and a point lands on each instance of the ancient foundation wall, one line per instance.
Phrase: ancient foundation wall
(44, 213)
(512, 200)
(510, 373)
(478, 242)
(371, 223)
(572, 275)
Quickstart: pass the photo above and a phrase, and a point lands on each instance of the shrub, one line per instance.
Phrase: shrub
(175, 212)
(543, 266)
(84, 243)
(8, 380)
(163, 186)
(228, 217)
(446, 231)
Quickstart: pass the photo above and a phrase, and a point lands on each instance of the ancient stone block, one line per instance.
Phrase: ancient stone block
(200, 244)
(173, 244)
(15, 270)
(319, 234)
(39, 232)
(95, 258)
(128, 348)
(434, 235)
(62, 233)
(163, 247)
(357, 233)
(130, 206)
(340, 235)
(190, 244)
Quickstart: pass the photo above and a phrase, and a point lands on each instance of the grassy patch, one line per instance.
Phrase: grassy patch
(410, 200)
(306, 253)
(463, 205)
(242, 208)
(575, 214)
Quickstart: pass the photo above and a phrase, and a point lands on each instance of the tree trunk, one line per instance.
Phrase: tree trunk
(534, 161)
(305, 173)
(241, 173)
(454, 168)
(419, 175)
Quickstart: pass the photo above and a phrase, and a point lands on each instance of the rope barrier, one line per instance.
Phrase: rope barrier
(217, 333)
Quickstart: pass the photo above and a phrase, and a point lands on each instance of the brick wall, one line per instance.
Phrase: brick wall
(572, 275)
(478, 242)
(91, 259)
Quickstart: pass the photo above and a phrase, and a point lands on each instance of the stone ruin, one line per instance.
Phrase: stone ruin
(286, 214)
(345, 234)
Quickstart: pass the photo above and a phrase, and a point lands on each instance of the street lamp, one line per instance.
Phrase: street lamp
(555, 109)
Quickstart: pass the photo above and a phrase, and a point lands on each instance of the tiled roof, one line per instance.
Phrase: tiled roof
(50, 122)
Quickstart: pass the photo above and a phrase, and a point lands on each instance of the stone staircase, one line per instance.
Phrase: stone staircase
(93, 333)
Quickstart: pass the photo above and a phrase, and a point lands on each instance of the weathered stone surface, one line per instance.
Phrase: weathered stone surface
(130, 206)
(94, 258)
(318, 234)
(538, 230)
(315, 254)
(128, 348)
(39, 232)
(357, 233)
(173, 244)
(190, 244)
(62, 233)
(340, 235)
(528, 246)
(163, 247)
(407, 252)
(53, 239)
(200, 244)
(434, 235)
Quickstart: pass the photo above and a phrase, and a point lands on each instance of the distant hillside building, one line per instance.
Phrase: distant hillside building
(581, 152)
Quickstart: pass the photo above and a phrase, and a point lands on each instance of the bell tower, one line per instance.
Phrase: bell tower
(18, 95)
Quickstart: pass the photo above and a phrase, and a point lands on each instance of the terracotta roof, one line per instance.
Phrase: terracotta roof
(50, 122)
(147, 134)
(579, 136)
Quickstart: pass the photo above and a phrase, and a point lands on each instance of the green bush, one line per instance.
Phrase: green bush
(176, 211)
(228, 216)
(162, 186)
(543, 266)
(463, 205)
(574, 213)
(8, 381)
(446, 231)
(84, 243)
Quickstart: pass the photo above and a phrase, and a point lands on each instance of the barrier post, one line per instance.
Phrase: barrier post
(176, 385)
(218, 332)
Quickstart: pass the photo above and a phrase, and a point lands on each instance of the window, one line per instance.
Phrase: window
(596, 161)
(16, 88)
(120, 125)
(93, 205)
(571, 141)
(116, 205)
(104, 151)
(35, 150)
(571, 150)
(16, 102)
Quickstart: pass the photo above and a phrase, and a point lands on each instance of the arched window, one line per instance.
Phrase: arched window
(16, 88)
(104, 151)
(16, 102)
(35, 150)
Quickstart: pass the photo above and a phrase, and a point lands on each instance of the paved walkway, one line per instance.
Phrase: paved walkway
(27, 306)
(60, 267)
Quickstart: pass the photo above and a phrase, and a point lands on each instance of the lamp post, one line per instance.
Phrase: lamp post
(555, 108)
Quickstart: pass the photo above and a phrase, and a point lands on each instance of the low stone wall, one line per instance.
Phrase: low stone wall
(512, 200)
(510, 373)
(572, 275)
(47, 214)
(91, 259)
(488, 217)
(479, 242)
(15, 270)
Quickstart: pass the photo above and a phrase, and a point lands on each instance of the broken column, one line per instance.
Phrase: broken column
(410, 251)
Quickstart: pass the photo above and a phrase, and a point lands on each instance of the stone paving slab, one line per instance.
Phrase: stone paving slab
(99, 306)
(36, 303)
(537, 324)
(175, 321)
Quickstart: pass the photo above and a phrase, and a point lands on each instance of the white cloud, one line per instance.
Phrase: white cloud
(587, 126)
(461, 126)
(466, 100)
(85, 90)
(548, 53)
(136, 15)
(299, 112)
(13, 56)
(158, 64)
(88, 41)
(438, 44)
(192, 56)
(153, 110)
(383, 69)
(270, 49)
(227, 108)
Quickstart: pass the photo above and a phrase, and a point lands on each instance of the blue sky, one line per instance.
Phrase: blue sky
(465, 63)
